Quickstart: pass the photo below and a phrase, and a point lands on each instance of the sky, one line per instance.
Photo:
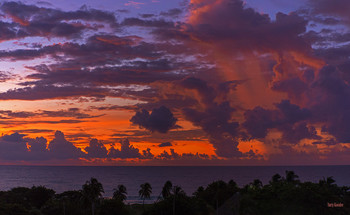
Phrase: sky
(182, 82)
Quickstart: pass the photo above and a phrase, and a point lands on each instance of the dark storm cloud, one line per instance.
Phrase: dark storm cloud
(332, 107)
(293, 134)
(165, 144)
(288, 118)
(215, 119)
(259, 120)
(161, 120)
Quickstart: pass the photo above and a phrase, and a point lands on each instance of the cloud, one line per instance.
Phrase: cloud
(159, 23)
(134, 4)
(33, 131)
(32, 20)
(242, 28)
(147, 154)
(232, 72)
(13, 147)
(165, 144)
(161, 120)
(172, 155)
(60, 148)
(336, 8)
(13, 123)
(288, 118)
(17, 147)
(126, 151)
(215, 118)
(96, 149)
(70, 113)
(172, 13)
(41, 92)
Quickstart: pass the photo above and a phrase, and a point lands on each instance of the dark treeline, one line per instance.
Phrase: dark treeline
(282, 195)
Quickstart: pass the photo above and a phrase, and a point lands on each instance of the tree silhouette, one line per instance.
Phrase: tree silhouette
(291, 177)
(145, 192)
(177, 190)
(276, 178)
(256, 184)
(120, 193)
(92, 191)
(167, 189)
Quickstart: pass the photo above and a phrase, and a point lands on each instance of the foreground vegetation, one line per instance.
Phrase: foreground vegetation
(282, 195)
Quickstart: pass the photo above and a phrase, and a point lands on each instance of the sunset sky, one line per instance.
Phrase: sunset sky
(160, 82)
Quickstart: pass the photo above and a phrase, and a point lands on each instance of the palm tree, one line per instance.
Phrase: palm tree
(166, 189)
(120, 193)
(177, 190)
(291, 177)
(276, 178)
(92, 191)
(329, 181)
(145, 192)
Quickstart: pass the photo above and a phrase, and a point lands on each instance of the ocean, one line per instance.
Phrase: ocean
(63, 178)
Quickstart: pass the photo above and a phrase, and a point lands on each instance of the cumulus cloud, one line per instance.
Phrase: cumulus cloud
(161, 120)
(13, 147)
(60, 148)
(96, 149)
(172, 155)
(18, 147)
(126, 151)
